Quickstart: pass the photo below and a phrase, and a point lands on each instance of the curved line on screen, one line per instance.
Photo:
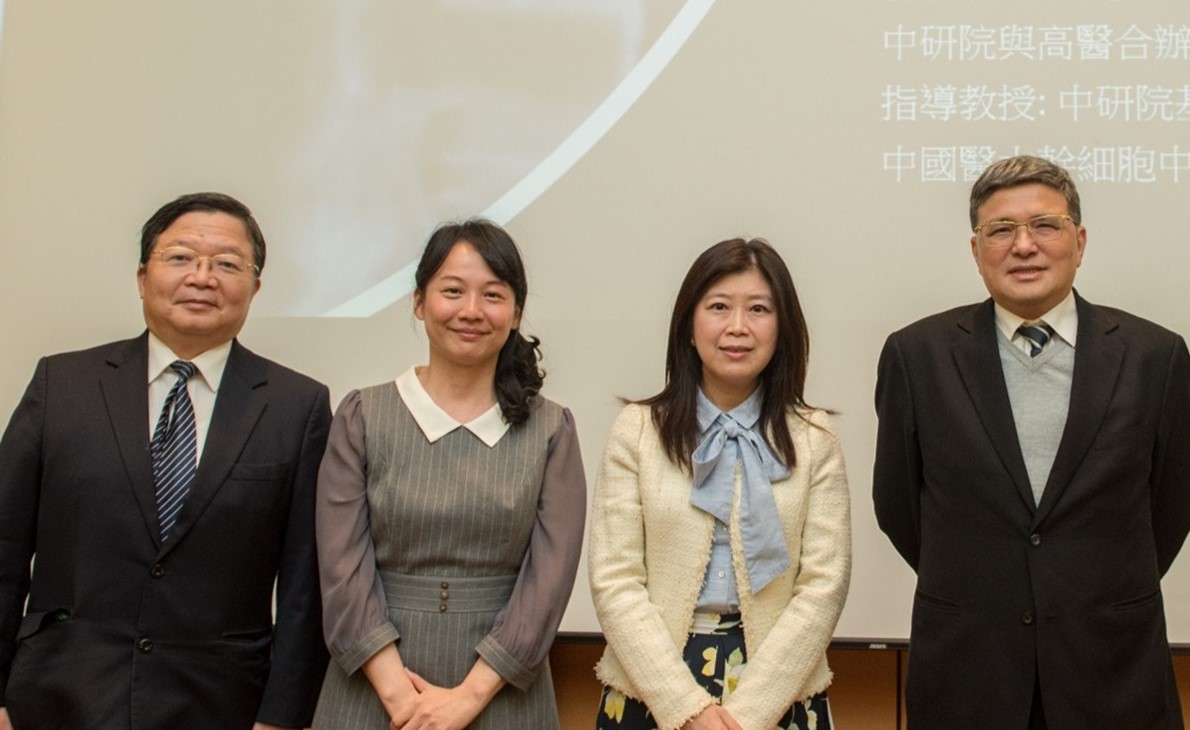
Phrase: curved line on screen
(572, 149)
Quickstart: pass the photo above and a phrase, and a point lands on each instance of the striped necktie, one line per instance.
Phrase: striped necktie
(1037, 333)
(174, 449)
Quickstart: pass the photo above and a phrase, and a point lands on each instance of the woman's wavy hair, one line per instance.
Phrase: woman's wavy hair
(518, 376)
(675, 408)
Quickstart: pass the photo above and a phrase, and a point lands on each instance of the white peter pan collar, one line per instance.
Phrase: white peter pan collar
(489, 427)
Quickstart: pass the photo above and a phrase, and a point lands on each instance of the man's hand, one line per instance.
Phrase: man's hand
(5, 724)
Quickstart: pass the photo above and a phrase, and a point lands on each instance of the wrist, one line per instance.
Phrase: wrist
(474, 693)
(481, 686)
(398, 692)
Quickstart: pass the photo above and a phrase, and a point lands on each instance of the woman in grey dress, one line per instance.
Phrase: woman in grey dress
(451, 504)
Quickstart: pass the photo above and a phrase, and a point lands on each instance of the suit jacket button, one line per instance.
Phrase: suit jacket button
(157, 570)
(1027, 618)
(144, 646)
(1034, 539)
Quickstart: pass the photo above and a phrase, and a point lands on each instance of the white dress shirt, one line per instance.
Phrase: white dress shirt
(202, 388)
(1063, 319)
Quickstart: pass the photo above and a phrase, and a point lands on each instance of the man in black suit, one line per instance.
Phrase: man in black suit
(161, 486)
(1033, 468)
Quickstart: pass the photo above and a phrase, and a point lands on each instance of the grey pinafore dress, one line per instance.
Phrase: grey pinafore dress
(450, 522)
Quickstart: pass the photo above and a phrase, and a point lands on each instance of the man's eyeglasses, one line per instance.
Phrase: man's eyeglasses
(1043, 229)
(186, 260)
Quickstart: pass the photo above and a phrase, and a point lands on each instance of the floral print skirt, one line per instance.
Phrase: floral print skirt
(716, 656)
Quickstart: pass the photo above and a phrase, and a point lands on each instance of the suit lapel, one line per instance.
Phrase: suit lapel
(238, 405)
(1097, 360)
(977, 356)
(125, 387)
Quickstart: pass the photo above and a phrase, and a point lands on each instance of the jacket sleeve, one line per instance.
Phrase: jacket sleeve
(897, 474)
(1171, 460)
(20, 483)
(299, 654)
(631, 622)
(780, 671)
(524, 630)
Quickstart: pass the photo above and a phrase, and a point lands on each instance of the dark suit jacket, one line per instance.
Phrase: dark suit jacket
(1067, 591)
(120, 630)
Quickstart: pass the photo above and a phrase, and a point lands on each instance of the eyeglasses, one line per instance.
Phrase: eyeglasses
(1043, 229)
(186, 260)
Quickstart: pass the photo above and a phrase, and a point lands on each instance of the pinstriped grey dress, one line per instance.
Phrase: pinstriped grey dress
(450, 546)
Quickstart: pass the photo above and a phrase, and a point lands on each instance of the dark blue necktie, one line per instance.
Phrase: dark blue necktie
(1037, 334)
(174, 449)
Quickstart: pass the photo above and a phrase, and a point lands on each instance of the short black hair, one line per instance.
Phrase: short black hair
(201, 202)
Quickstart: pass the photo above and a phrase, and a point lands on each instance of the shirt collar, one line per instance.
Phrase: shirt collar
(746, 414)
(1063, 319)
(489, 427)
(210, 364)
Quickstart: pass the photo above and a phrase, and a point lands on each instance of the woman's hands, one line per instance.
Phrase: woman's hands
(713, 717)
(439, 708)
(447, 708)
(386, 672)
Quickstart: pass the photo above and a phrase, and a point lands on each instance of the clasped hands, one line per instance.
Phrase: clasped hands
(713, 717)
(430, 707)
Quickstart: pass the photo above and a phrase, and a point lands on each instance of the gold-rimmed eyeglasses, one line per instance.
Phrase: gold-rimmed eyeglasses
(1043, 229)
(186, 260)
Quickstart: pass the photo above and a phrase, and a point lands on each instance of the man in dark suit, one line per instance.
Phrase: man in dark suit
(1033, 468)
(162, 486)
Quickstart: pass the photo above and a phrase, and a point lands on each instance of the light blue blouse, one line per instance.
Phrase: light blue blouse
(729, 439)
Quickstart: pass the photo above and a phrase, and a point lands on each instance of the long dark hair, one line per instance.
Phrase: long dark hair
(518, 376)
(675, 408)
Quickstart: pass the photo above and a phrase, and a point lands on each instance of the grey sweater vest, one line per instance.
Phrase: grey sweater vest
(1039, 390)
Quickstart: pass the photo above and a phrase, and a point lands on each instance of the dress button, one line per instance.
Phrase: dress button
(1027, 618)
(444, 595)
(157, 570)
(1034, 539)
(441, 608)
(445, 585)
(144, 646)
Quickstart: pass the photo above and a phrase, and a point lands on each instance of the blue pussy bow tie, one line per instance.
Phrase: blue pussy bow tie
(734, 435)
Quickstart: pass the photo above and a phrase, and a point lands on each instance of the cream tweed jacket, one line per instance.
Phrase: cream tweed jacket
(648, 554)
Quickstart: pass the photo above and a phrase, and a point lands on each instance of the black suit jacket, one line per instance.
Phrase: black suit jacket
(120, 630)
(1067, 591)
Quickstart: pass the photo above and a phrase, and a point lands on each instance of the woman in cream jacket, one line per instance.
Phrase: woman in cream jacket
(720, 540)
